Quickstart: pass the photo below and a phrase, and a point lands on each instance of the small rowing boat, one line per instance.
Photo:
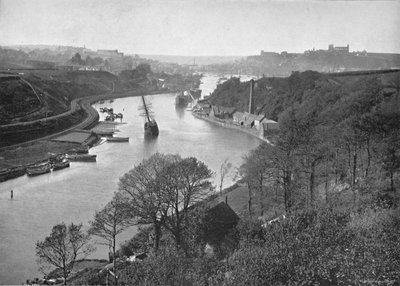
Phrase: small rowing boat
(118, 139)
(38, 169)
(61, 165)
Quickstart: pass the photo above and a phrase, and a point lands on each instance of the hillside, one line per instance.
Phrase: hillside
(17, 98)
(282, 64)
(37, 94)
(273, 95)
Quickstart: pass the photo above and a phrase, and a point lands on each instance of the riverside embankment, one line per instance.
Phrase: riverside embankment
(226, 124)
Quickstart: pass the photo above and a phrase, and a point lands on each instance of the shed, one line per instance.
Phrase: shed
(268, 125)
(222, 112)
(258, 120)
(238, 118)
(203, 104)
(249, 119)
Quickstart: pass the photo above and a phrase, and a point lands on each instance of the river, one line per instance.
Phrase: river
(75, 193)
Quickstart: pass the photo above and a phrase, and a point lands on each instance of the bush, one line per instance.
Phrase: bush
(167, 268)
(171, 268)
(317, 247)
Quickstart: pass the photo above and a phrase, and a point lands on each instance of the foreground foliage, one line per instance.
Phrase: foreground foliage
(63, 247)
(326, 246)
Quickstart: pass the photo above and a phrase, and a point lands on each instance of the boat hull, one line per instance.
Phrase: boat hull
(38, 170)
(82, 158)
(181, 100)
(151, 129)
(118, 139)
(60, 165)
(12, 173)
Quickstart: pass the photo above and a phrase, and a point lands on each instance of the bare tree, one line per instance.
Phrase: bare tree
(184, 183)
(111, 221)
(63, 247)
(257, 170)
(224, 170)
(147, 201)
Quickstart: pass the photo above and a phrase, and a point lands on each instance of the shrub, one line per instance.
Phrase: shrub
(317, 247)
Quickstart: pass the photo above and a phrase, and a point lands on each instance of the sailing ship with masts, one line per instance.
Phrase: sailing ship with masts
(150, 125)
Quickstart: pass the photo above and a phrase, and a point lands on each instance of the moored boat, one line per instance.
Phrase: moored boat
(150, 125)
(38, 169)
(38, 164)
(4, 175)
(80, 150)
(181, 99)
(117, 139)
(17, 172)
(118, 115)
(61, 165)
(81, 157)
(109, 118)
(11, 173)
(151, 128)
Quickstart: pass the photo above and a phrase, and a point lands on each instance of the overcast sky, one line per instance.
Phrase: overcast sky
(202, 27)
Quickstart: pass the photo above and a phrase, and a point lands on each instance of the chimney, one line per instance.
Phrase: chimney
(251, 100)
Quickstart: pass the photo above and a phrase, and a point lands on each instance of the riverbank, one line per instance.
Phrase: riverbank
(230, 125)
(40, 149)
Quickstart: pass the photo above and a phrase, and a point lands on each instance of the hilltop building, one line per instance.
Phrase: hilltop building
(109, 54)
(338, 50)
(331, 50)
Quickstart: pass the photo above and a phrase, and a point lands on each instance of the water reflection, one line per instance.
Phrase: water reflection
(180, 111)
(150, 145)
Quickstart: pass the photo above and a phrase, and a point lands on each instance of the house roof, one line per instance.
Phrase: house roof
(222, 213)
(223, 110)
(249, 118)
(269, 121)
(219, 220)
(238, 115)
(259, 117)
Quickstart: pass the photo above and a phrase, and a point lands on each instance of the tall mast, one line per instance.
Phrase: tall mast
(145, 109)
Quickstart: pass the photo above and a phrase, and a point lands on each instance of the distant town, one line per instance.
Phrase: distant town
(332, 59)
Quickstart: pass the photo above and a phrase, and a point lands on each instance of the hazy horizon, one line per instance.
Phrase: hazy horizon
(202, 28)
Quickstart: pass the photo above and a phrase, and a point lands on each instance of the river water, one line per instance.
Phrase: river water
(75, 193)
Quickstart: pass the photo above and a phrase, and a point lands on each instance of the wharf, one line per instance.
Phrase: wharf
(230, 125)
(82, 137)
(105, 128)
